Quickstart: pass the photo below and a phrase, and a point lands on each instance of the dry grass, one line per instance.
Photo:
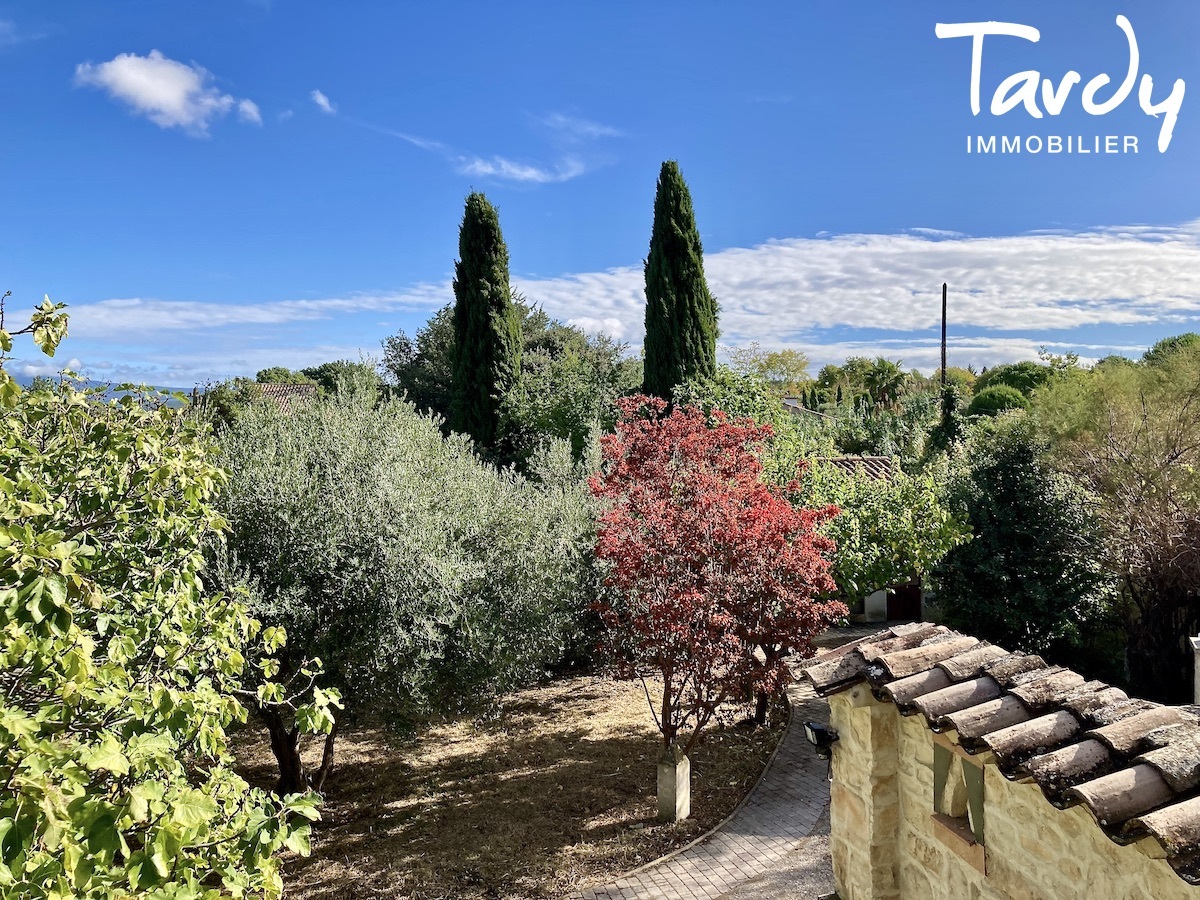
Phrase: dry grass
(555, 794)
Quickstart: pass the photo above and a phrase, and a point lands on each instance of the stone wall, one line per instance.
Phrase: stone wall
(886, 845)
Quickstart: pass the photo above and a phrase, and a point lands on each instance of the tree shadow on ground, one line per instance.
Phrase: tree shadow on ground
(555, 792)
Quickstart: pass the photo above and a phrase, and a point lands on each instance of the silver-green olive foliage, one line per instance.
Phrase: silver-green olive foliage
(419, 574)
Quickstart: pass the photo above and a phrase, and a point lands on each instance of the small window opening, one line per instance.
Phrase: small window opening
(958, 793)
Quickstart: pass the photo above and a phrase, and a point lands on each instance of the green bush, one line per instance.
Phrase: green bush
(886, 531)
(996, 399)
(117, 668)
(1025, 376)
(1032, 578)
(419, 575)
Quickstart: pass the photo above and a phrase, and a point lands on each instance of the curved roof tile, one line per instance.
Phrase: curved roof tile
(1134, 764)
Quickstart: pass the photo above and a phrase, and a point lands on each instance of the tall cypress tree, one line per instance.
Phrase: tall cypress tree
(487, 326)
(681, 314)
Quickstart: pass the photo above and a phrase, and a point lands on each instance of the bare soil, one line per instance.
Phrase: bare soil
(554, 794)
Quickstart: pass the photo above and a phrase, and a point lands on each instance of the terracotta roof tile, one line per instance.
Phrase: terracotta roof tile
(1045, 691)
(882, 467)
(1126, 736)
(1176, 756)
(1115, 798)
(957, 696)
(976, 722)
(1016, 743)
(904, 691)
(929, 654)
(1177, 826)
(970, 664)
(287, 396)
(1057, 771)
(1134, 764)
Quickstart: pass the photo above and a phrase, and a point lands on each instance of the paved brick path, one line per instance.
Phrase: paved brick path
(785, 808)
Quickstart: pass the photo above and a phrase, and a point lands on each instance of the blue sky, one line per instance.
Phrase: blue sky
(174, 175)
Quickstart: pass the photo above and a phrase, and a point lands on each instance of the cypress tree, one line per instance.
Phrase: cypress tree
(487, 325)
(681, 314)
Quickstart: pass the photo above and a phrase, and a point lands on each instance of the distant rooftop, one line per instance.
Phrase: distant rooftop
(287, 396)
(882, 467)
(796, 408)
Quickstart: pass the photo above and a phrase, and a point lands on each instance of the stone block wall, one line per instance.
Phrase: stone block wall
(885, 844)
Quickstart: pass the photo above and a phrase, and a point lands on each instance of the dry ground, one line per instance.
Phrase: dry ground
(555, 794)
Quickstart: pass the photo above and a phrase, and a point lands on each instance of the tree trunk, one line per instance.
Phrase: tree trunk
(318, 780)
(285, 745)
(674, 786)
(760, 708)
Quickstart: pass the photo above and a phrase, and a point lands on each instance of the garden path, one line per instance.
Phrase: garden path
(775, 845)
(762, 835)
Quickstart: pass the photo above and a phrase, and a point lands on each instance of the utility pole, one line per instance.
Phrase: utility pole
(943, 334)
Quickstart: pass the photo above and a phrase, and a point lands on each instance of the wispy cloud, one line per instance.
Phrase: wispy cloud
(569, 134)
(11, 34)
(575, 130)
(170, 94)
(323, 103)
(110, 319)
(423, 143)
(499, 167)
(830, 296)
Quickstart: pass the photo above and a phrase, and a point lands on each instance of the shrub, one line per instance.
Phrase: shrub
(1024, 377)
(886, 531)
(996, 399)
(1032, 576)
(419, 575)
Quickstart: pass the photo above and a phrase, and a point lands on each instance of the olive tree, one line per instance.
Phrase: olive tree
(417, 573)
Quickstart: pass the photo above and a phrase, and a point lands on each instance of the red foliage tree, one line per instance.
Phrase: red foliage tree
(713, 577)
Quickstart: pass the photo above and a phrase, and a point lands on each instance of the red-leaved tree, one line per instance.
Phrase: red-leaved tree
(713, 577)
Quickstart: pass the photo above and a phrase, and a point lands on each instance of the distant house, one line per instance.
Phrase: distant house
(960, 770)
(287, 396)
(899, 602)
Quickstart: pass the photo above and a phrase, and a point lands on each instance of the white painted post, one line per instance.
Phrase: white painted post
(875, 607)
(674, 786)
(1196, 674)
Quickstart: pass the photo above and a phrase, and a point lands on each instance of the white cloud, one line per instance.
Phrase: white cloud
(855, 294)
(323, 103)
(48, 369)
(786, 290)
(285, 115)
(499, 167)
(111, 319)
(248, 112)
(574, 129)
(568, 133)
(170, 94)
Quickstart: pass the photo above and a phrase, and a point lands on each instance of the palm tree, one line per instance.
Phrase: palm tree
(885, 382)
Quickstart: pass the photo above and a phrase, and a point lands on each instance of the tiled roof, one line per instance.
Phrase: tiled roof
(796, 408)
(286, 396)
(1134, 764)
(875, 466)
